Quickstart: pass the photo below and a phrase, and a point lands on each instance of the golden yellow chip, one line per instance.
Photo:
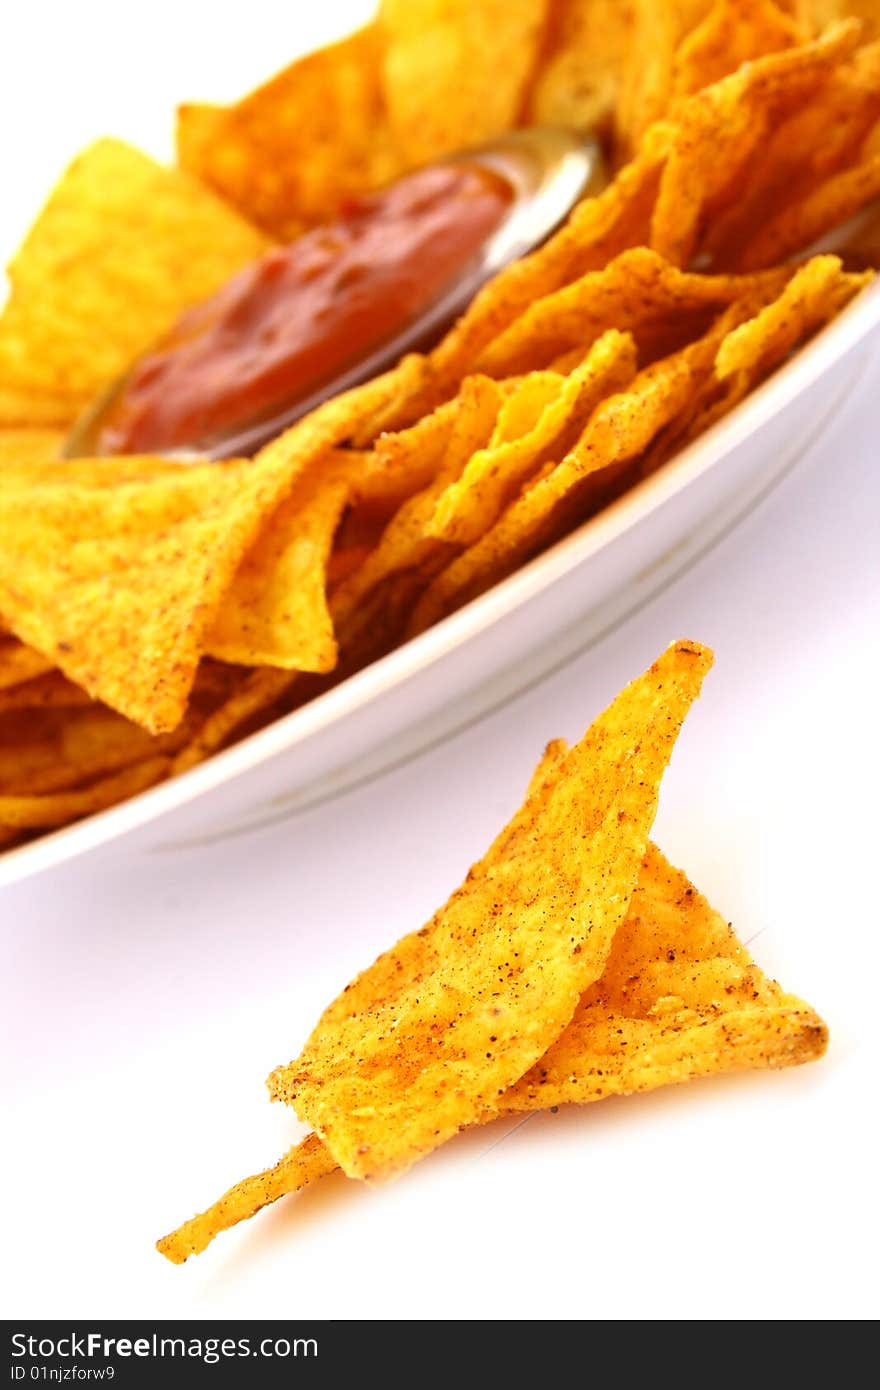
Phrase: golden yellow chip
(813, 296)
(20, 663)
(405, 543)
(70, 742)
(291, 152)
(305, 1163)
(117, 585)
(531, 424)
(718, 131)
(275, 610)
(679, 998)
(646, 80)
(120, 249)
(732, 33)
(456, 73)
(638, 291)
(618, 430)
(583, 52)
(422, 1042)
(50, 690)
(60, 808)
(27, 446)
(802, 222)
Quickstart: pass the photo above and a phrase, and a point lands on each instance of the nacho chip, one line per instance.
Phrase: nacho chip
(93, 577)
(405, 543)
(118, 582)
(48, 691)
(717, 132)
(289, 154)
(579, 73)
(67, 744)
(813, 296)
(598, 229)
(456, 73)
(19, 663)
(822, 137)
(733, 32)
(60, 808)
(120, 249)
(530, 423)
(422, 1042)
(305, 1163)
(825, 207)
(618, 430)
(679, 998)
(640, 291)
(24, 446)
(275, 611)
(646, 79)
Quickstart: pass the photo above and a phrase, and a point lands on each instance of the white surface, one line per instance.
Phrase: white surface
(545, 614)
(146, 995)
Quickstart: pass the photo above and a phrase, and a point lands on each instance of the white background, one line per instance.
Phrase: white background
(145, 996)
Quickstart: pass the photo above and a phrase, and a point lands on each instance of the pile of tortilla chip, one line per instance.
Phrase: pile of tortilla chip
(573, 963)
(152, 611)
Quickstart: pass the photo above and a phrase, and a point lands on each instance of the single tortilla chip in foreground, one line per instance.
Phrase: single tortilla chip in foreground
(679, 998)
(422, 1043)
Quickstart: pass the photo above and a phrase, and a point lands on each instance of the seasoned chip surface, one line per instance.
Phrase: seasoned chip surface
(425, 1040)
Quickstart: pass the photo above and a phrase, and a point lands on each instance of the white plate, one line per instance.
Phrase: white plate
(505, 640)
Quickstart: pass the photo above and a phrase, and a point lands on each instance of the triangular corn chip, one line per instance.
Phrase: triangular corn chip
(120, 249)
(421, 1043)
(275, 612)
(530, 422)
(679, 998)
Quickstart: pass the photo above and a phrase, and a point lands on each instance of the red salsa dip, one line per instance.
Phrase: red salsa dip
(292, 322)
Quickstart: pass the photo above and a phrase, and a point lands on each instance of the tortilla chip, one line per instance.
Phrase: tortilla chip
(405, 543)
(92, 577)
(422, 1043)
(639, 291)
(598, 229)
(289, 154)
(582, 56)
(305, 1163)
(23, 446)
(814, 295)
(530, 423)
(646, 79)
(19, 663)
(60, 808)
(69, 743)
(679, 998)
(456, 73)
(802, 222)
(618, 430)
(275, 611)
(717, 132)
(822, 137)
(118, 583)
(732, 33)
(48, 691)
(120, 249)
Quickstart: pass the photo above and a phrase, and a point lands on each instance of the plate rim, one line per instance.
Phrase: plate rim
(415, 656)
